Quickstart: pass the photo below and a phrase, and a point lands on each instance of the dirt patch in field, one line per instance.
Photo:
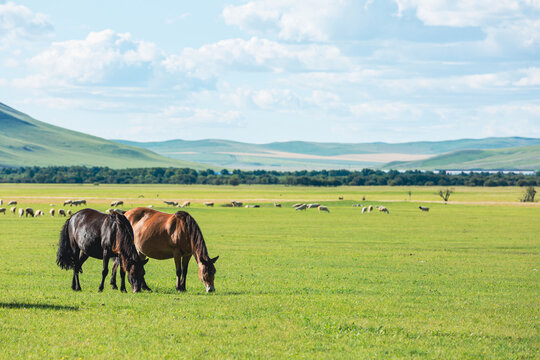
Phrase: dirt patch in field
(383, 157)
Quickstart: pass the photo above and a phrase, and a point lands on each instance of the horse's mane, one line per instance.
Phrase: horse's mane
(190, 227)
(125, 244)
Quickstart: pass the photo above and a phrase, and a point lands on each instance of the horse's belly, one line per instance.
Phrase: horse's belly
(96, 253)
(154, 252)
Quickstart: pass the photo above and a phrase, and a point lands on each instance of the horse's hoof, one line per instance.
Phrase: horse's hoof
(123, 290)
(114, 287)
(100, 290)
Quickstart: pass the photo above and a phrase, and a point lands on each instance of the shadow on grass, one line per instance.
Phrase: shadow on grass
(197, 292)
(16, 305)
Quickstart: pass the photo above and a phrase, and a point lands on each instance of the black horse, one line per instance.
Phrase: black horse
(93, 233)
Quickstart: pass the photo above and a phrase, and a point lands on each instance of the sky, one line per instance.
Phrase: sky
(275, 70)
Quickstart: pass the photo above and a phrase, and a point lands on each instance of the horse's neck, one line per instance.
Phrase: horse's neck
(199, 249)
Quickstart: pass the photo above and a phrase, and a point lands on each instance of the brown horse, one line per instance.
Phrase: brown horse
(161, 236)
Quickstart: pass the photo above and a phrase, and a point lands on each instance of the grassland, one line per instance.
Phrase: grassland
(459, 282)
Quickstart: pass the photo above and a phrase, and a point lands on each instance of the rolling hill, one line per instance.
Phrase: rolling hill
(25, 141)
(312, 155)
(523, 158)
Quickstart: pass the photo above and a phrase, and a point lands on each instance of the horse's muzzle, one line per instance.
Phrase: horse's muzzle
(210, 288)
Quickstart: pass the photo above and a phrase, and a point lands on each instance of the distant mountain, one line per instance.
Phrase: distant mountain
(523, 158)
(25, 141)
(312, 155)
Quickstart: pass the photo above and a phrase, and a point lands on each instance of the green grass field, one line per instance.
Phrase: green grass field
(459, 282)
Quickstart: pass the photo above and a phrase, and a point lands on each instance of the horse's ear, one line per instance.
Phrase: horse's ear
(214, 259)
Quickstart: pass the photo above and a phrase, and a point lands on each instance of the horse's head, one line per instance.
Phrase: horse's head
(135, 271)
(207, 270)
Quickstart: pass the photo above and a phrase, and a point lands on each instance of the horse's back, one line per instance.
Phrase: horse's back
(88, 228)
(154, 232)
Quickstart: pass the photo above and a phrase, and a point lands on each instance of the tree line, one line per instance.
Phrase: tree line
(105, 175)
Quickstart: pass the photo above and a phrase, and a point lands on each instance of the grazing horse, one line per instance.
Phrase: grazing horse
(3, 210)
(383, 209)
(21, 212)
(61, 212)
(423, 208)
(29, 211)
(161, 236)
(13, 209)
(117, 203)
(91, 233)
(51, 212)
(12, 202)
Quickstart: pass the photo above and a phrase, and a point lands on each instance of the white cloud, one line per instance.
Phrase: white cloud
(267, 99)
(393, 111)
(65, 103)
(193, 116)
(255, 54)
(465, 12)
(294, 20)
(17, 22)
(100, 56)
(531, 78)
(11, 63)
(507, 24)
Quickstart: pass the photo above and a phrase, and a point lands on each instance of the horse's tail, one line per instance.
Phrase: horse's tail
(65, 256)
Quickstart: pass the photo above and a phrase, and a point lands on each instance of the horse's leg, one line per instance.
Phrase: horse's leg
(185, 263)
(74, 280)
(76, 285)
(105, 270)
(182, 282)
(178, 264)
(144, 286)
(113, 273)
(122, 280)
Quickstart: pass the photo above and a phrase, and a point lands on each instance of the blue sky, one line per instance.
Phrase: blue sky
(276, 70)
